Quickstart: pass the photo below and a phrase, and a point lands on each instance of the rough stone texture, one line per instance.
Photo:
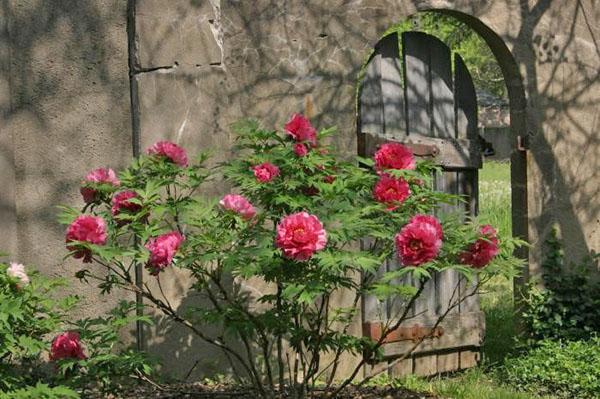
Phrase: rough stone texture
(177, 33)
(65, 110)
(201, 65)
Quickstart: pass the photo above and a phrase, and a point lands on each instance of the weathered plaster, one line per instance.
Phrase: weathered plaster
(65, 111)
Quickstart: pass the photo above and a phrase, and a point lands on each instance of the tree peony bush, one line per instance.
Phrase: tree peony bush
(295, 222)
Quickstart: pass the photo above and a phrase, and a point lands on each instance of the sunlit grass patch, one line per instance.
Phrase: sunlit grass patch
(495, 196)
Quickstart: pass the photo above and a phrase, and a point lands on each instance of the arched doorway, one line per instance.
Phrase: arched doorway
(416, 91)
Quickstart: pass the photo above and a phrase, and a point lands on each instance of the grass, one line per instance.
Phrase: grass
(496, 302)
(495, 196)
(476, 383)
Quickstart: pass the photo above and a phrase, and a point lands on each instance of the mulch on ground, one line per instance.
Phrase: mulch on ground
(200, 391)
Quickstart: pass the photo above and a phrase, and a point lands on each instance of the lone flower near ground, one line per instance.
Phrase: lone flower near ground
(419, 241)
(482, 251)
(67, 346)
(238, 204)
(121, 202)
(17, 270)
(300, 235)
(87, 228)
(265, 172)
(301, 130)
(394, 156)
(97, 176)
(391, 191)
(162, 250)
(170, 151)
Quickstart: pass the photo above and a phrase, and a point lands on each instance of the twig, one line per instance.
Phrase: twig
(428, 335)
(148, 380)
(190, 371)
(381, 340)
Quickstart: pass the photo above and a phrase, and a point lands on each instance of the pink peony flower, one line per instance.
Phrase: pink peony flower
(171, 151)
(394, 156)
(121, 202)
(430, 220)
(17, 270)
(419, 241)
(265, 172)
(86, 228)
(300, 235)
(391, 191)
(97, 176)
(301, 130)
(162, 250)
(238, 204)
(300, 149)
(67, 346)
(482, 251)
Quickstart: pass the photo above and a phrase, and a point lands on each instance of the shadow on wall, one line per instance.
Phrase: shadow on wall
(566, 65)
(65, 110)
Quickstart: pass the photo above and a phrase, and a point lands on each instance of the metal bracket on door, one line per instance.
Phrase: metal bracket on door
(521, 143)
(414, 333)
(423, 150)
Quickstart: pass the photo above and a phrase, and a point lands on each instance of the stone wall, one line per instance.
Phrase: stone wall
(199, 65)
(64, 95)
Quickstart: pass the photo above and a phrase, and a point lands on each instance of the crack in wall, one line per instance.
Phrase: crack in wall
(158, 69)
(217, 30)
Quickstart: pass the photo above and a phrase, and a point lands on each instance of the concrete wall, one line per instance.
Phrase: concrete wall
(200, 65)
(64, 94)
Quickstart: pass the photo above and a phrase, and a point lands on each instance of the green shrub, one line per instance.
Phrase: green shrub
(28, 315)
(561, 369)
(41, 391)
(106, 367)
(31, 317)
(569, 305)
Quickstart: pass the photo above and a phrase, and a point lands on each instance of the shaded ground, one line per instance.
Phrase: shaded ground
(200, 391)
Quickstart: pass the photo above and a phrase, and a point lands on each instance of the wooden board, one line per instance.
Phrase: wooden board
(417, 90)
(392, 91)
(459, 330)
(371, 108)
(442, 95)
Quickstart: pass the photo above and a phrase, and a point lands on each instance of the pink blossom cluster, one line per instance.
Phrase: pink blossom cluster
(86, 228)
(238, 204)
(17, 271)
(301, 130)
(391, 191)
(170, 151)
(67, 346)
(265, 172)
(419, 241)
(162, 251)
(482, 251)
(97, 176)
(121, 201)
(300, 235)
(394, 156)
(300, 149)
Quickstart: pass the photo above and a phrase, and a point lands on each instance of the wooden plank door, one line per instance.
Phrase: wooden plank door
(423, 99)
